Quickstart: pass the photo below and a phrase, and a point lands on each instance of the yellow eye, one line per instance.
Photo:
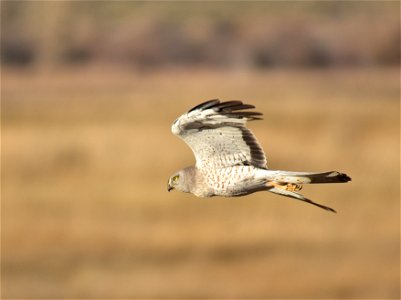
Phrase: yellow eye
(175, 178)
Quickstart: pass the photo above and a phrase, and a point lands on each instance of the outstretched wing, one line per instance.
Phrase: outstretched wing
(217, 134)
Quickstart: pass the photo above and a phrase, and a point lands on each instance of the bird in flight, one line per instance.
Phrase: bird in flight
(229, 160)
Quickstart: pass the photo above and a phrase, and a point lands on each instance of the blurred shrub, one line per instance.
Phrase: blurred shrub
(17, 49)
(146, 37)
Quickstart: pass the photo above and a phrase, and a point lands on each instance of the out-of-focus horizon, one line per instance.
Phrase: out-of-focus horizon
(89, 90)
(151, 35)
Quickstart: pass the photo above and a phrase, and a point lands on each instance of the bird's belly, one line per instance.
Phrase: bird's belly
(232, 181)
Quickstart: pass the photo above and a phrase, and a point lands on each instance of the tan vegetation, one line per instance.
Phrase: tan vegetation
(85, 211)
(150, 35)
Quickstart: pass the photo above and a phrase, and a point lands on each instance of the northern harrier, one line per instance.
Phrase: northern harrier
(229, 159)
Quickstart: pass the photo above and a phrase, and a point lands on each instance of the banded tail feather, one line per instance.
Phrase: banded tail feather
(285, 183)
(311, 178)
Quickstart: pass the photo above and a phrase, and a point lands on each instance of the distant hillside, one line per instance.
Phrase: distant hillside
(213, 34)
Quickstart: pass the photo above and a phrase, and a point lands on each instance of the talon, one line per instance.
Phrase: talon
(292, 187)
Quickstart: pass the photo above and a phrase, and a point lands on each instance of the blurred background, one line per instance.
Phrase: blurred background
(88, 94)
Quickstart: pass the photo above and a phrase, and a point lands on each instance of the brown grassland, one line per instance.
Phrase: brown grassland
(85, 211)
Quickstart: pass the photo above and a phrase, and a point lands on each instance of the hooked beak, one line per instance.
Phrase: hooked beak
(169, 187)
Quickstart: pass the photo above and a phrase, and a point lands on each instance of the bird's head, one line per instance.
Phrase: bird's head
(180, 181)
(173, 182)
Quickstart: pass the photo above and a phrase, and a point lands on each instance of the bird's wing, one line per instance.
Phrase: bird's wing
(299, 197)
(217, 134)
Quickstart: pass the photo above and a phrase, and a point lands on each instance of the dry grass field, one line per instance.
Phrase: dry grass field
(85, 212)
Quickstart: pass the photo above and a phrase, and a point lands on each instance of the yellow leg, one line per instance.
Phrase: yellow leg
(292, 187)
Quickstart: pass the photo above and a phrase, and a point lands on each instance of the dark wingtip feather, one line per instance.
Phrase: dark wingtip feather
(319, 205)
(229, 105)
(206, 104)
(234, 108)
(329, 209)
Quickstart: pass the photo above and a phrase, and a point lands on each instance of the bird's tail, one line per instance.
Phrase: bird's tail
(305, 178)
(286, 183)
